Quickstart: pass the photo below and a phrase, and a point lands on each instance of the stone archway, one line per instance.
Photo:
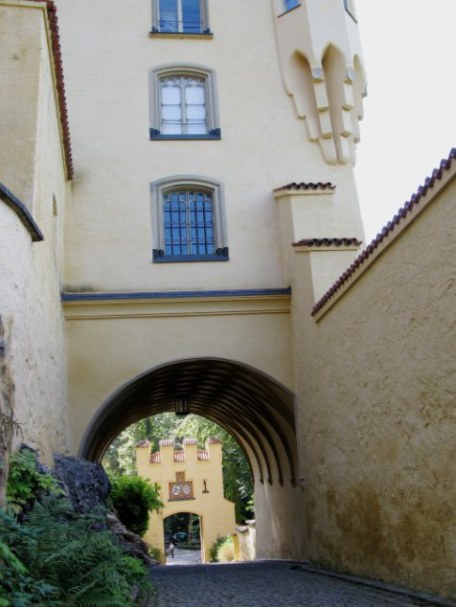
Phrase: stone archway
(255, 409)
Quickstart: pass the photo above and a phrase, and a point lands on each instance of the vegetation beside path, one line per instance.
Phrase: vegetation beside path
(52, 556)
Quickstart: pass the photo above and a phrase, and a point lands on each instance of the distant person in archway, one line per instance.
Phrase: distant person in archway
(171, 548)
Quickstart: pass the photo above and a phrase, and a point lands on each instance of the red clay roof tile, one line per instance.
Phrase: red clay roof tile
(307, 186)
(327, 242)
(386, 231)
(58, 67)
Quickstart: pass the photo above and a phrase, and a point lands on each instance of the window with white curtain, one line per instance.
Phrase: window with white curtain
(183, 103)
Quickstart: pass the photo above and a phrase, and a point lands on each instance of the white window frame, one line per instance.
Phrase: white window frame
(204, 14)
(184, 70)
(159, 188)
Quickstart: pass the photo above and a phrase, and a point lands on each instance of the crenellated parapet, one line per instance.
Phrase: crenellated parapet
(322, 69)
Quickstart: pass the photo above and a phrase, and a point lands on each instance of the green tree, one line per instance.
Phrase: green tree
(133, 497)
(237, 476)
(119, 458)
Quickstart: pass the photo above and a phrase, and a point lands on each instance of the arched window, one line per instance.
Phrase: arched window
(188, 220)
(183, 103)
(182, 16)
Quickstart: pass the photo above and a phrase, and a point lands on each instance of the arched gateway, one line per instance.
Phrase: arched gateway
(254, 408)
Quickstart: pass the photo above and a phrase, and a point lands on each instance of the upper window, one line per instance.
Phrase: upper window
(289, 4)
(180, 16)
(183, 104)
(188, 220)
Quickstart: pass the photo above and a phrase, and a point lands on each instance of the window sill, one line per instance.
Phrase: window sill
(213, 135)
(201, 35)
(160, 257)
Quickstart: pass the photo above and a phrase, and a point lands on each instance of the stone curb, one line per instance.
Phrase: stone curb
(429, 600)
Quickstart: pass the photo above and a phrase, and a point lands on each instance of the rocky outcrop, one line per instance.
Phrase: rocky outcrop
(87, 486)
(134, 544)
(86, 483)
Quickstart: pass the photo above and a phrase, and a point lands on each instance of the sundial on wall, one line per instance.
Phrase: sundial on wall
(180, 489)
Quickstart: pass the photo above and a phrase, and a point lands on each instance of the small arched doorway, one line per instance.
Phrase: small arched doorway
(184, 531)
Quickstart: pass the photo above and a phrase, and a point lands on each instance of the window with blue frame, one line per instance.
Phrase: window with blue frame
(183, 16)
(188, 220)
(289, 4)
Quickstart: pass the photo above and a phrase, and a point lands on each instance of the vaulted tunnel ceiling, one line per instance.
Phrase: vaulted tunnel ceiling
(257, 411)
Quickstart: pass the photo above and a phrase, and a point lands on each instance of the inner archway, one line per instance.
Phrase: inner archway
(255, 409)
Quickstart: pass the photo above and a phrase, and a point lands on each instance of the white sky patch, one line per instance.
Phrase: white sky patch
(409, 120)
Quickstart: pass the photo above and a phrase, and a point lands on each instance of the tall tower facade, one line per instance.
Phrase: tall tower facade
(213, 147)
(186, 116)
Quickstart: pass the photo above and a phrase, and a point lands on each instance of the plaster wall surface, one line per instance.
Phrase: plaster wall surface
(105, 353)
(20, 62)
(280, 521)
(30, 286)
(108, 54)
(377, 377)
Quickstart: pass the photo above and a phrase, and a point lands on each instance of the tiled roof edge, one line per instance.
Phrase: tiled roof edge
(402, 213)
(327, 242)
(307, 186)
(60, 84)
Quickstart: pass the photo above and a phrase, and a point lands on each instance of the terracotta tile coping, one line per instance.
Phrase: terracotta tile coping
(385, 233)
(60, 84)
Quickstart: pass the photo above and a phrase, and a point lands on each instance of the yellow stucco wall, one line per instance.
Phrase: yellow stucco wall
(31, 167)
(264, 144)
(377, 381)
(254, 331)
(204, 472)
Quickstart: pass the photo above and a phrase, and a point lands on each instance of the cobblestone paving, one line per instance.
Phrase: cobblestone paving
(266, 584)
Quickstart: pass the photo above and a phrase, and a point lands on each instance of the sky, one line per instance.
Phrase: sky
(409, 122)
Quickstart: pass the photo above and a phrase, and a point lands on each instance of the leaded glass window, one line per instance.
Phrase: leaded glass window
(183, 106)
(188, 218)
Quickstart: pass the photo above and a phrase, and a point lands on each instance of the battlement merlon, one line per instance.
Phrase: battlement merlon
(190, 452)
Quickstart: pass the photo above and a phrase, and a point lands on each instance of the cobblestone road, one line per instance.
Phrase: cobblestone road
(267, 584)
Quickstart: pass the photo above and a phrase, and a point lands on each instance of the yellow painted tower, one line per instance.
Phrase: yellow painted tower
(191, 480)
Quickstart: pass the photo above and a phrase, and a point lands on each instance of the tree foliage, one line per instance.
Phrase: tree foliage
(53, 557)
(237, 476)
(133, 498)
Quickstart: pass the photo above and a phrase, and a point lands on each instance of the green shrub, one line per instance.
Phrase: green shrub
(155, 553)
(25, 481)
(226, 553)
(133, 497)
(66, 560)
(216, 546)
(51, 556)
(17, 588)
